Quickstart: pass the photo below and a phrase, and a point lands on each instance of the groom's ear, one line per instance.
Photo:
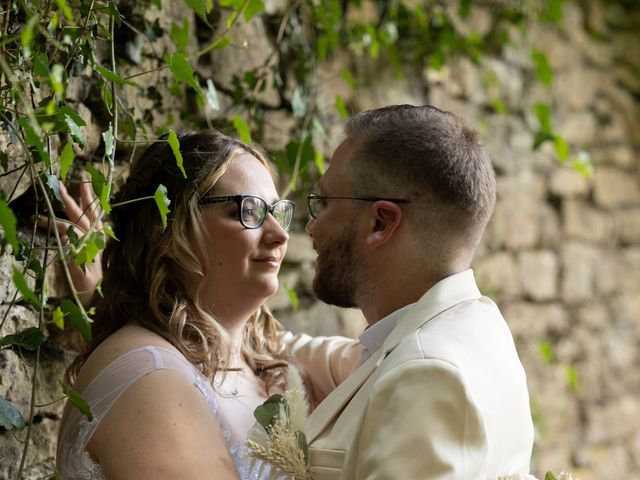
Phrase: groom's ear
(385, 219)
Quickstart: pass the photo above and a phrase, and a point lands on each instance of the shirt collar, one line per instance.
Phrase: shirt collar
(374, 336)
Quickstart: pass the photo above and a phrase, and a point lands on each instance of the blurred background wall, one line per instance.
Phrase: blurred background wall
(561, 255)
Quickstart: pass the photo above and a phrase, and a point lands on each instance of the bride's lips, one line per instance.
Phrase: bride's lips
(273, 262)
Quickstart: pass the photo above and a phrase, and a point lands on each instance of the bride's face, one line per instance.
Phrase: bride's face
(243, 263)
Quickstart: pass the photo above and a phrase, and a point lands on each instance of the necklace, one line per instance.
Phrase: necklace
(234, 387)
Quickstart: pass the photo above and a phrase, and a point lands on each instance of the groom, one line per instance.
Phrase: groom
(440, 392)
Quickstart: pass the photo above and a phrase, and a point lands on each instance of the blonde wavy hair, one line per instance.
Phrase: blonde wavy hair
(153, 277)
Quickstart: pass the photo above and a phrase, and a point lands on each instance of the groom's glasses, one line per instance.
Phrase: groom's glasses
(252, 210)
(317, 202)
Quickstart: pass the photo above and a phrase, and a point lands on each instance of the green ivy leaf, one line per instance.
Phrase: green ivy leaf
(54, 185)
(562, 148)
(79, 321)
(212, 95)
(180, 34)
(29, 339)
(8, 223)
(242, 129)
(114, 77)
(10, 417)
(33, 135)
(546, 351)
(56, 79)
(543, 113)
(107, 136)
(341, 107)
(293, 298)
(253, 8)
(77, 401)
(553, 11)
(346, 75)
(97, 179)
(267, 413)
(182, 70)
(74, 122)
(319, 161)
(201, 7)
(544, 73)
(582, 164)
(28, 34)
(105, 198)
(58, 318)
(298, 105)
(222, 42)
(66, 160)
(92, 246)
(572, 378)
(64, 8)
(541, 137)
(21, 284)
(109, 231)
(550, 476)
(174, 143)
(163, 202)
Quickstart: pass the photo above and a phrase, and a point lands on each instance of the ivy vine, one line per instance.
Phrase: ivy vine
(51, 48)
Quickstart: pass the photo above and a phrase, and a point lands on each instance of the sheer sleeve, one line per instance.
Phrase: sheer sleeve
(103, 392)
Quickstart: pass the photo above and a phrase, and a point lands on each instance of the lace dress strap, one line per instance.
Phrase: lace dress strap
(105, 390)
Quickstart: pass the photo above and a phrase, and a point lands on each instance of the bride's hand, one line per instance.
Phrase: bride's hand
(80, 216)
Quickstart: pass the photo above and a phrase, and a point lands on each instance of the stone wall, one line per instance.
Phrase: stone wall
(561, 255)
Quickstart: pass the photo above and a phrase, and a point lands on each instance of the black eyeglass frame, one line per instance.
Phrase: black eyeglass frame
(239, 199)
(314, 196)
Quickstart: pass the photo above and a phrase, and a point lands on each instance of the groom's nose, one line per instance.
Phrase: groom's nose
(309, 226)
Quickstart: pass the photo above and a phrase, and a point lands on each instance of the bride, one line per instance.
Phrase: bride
(184, 348)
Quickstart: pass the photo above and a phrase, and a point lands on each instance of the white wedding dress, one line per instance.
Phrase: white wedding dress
(73, 461)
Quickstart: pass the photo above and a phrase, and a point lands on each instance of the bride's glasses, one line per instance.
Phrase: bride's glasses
(252, 210)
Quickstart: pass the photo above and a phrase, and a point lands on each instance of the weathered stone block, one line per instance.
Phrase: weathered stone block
(615, 188)
(277, 128)
(533, 322)
(300, 248)
(516, 219)
(250, 49)
(627, 224)
(583, 222)
(539, 274)
(578, 271)
(564, 87)
(497, 275)
(577, 128)
(567, 182)
(612, 420)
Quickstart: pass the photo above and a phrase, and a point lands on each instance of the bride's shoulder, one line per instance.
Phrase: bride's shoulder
(127, 339)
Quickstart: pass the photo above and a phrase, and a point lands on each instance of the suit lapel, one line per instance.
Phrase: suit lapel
(442, 296)
(336, 400)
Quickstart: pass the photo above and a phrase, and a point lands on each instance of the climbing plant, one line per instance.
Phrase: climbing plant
(50, 50)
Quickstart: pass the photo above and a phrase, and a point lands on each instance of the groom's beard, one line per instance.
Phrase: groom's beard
(336, 279)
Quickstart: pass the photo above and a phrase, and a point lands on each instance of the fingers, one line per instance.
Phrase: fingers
(61, 225)
(73, 211)
(89, 203)
(85, 212)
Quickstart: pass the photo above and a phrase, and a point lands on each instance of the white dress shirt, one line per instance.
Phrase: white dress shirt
(374, 336)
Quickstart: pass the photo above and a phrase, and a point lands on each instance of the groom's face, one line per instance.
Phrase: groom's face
(334, 234)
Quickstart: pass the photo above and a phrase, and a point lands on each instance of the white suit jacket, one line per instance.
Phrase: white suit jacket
(444, 398)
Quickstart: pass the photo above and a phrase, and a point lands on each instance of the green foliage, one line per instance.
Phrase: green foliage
(162, 202)
(10, 416)
(46, 45)
(29, 339)
(77, 401)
